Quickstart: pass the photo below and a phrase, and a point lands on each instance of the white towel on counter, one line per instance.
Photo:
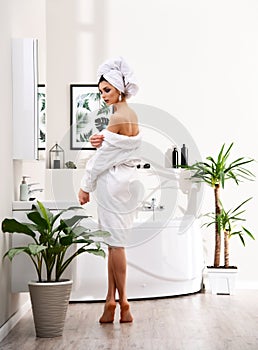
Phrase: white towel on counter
(112, 172)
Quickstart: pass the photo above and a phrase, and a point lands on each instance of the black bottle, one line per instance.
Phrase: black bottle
(175, 158)
(184, 155)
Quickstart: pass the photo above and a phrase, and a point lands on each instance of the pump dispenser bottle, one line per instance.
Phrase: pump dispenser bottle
(24, 189)
(175, 158)
(184, 155)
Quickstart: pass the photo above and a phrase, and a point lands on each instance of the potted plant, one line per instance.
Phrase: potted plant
(216, 172)
(52, 248)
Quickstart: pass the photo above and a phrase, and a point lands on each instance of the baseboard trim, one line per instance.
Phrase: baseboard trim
(9, 325)
(246, 284)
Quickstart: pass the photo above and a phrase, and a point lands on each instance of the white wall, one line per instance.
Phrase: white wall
(8, 303)
(196, 60)
(15, 21)
(24, 24)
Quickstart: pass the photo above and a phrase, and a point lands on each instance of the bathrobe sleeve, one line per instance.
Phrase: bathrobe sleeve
(105, 158)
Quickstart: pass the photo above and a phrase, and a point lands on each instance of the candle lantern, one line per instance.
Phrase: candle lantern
(56, 157)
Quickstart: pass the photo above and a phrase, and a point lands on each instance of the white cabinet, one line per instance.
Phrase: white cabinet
(25, 105)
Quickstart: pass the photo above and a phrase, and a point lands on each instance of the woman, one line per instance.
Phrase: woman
(112, 172)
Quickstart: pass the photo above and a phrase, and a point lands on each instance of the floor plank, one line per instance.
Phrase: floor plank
(200, 321)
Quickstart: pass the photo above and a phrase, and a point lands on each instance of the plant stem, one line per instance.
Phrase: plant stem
(226, 248)
(217, 228)
(37, 269)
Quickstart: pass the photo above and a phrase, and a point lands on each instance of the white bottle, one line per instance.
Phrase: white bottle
(24, 189)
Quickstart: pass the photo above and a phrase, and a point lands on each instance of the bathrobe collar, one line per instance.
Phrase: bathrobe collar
(122, 141)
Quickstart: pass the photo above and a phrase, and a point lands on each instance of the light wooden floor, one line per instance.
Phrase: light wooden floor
(195, 322)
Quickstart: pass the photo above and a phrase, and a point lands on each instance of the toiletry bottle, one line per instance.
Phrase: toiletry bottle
(184, 155)
(168, 156)
(24, 189)
(175, 158)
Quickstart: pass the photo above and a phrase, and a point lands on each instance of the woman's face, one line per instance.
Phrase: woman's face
(109, 93)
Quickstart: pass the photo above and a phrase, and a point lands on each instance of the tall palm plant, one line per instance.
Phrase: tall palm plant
(215, 172)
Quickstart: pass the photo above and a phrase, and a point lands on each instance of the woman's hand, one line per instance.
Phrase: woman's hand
(96, 140)
(84, 197)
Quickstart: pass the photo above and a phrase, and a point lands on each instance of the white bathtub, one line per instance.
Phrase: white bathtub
(164, 259)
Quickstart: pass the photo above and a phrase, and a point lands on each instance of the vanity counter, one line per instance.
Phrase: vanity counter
(50, 204)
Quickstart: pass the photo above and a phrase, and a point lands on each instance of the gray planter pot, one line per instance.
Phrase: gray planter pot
(49, 302)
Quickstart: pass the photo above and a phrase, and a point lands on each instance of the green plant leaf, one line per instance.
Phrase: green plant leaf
(80, 230)
(240, 205)
(241, 239)
(12, 225)
(15, 251)
(65, 210)
(41, 223)
(74, 220)
(45, 213)
(86, 241)
(35, 249)
(248, 232)
(66, 240)
(96, 252)
(100, 233)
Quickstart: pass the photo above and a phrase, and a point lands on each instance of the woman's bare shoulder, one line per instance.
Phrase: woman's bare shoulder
(123, 124)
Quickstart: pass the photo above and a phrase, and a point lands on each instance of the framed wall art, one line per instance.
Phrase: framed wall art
(89, 114)
(41, 116)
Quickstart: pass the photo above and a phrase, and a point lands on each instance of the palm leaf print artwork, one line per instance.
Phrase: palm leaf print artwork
(90, 115)
(41, 117)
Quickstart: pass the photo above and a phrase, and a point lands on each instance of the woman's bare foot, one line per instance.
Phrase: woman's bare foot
(125, 313)
(109, 312)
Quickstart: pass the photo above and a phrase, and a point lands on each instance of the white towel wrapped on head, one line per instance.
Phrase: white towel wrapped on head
(118, 73)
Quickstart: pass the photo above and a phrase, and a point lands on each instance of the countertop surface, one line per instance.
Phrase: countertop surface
(50, 204)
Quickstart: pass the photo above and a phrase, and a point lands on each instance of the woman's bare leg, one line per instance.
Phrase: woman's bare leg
(118, 265)
(111, 293)
(110, 305)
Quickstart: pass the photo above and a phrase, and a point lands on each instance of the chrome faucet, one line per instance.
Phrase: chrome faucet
(153, 200)
(151, 206)
(33, 183)
(34, 190)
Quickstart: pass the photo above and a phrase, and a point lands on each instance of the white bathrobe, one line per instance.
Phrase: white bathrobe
(112, 172)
